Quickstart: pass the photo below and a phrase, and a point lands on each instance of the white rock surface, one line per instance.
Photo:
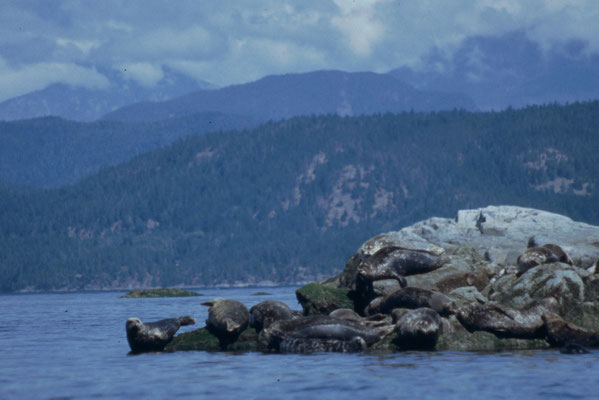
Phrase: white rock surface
(500, 233)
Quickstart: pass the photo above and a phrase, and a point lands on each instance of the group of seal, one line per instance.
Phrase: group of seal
(391, 263)
(414, 317)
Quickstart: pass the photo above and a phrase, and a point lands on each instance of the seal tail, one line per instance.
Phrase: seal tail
(187, 320)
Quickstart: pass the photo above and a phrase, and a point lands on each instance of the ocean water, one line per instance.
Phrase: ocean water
(73, 346)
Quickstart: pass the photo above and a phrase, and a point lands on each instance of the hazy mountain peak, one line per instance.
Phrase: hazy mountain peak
(88, 104)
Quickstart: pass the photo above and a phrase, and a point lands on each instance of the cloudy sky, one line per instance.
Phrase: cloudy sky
(226, 42)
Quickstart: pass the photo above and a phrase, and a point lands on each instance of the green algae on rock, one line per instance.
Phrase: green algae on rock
(202, 340)
(319, 299)
(161, 292)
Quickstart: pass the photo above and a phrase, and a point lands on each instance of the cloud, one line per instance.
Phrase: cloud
(234, 42)
(358, 23)
(145, 74)
(18, 81)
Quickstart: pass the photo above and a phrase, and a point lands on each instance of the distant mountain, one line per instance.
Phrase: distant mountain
(50, 152)
(82, 104)
(290, 200)
(284, 96)
(510, 70)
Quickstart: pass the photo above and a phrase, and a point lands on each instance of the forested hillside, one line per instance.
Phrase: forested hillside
(291, 200)
(51, 152)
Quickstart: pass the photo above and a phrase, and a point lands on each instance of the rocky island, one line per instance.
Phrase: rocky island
(160, 292)
(494, 278)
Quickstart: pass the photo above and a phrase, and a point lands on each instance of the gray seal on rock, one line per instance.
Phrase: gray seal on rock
(346, 314)
(226, 319)
(394, 262)
(153, 336)
(307, 345)
(548, 253)
(412, 297)
(560, 333)
(507, 322)
(265, 313)
(320, 333)
(418, 329)
(573, 348)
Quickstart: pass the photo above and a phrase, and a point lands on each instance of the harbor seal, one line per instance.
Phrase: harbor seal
(412, 297)
(418, 329)
(320, 333)
(346, 314)
(265, 313)
(560, 333)
(394, 262)
(573, 348)
(307, 346)
(548, 253)
(153, 336)
(507, 322)
(226, 319)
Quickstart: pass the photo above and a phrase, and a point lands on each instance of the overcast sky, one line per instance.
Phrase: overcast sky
(226, 42)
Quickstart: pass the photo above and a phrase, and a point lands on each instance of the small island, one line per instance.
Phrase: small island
(491, 279)
(160, 292)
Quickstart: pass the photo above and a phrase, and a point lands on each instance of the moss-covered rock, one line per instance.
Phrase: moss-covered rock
(162, 292)
(319, 299)
(201, 339)
(347, 278)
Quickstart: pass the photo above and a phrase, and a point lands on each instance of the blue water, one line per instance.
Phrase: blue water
(73, 346)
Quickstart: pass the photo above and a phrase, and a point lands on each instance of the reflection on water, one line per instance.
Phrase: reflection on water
(74, 346)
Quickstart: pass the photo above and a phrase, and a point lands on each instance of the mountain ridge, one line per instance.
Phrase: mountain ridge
(276, 97)
(88, 104)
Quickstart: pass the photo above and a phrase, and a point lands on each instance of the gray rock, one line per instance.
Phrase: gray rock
(499, 232)
(467, 295)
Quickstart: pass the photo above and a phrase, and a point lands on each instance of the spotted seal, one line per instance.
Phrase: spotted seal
(548, 253)
(153, 336)
(507, 322)
(265, 313)
(560, 333)
(573, 348)
(346, 314)
(226, 319)
(412, 297)
(320, 333)
(395, 262)
(418, 329)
